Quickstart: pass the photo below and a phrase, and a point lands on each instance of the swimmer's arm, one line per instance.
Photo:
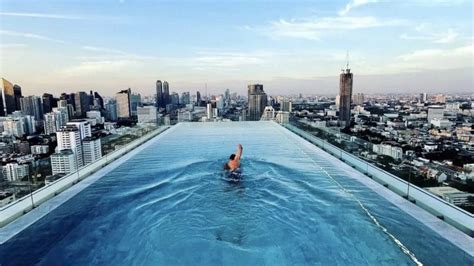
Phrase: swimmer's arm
(238, 153)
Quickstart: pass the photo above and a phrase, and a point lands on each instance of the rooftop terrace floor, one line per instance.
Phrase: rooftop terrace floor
(170, 202)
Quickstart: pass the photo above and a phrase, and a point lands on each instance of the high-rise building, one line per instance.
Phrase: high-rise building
(185, 98)
(159, 94)
(423, 97)
(82, 101)
(286, 106)
(268, 114)
(166, 93)
(92, 149)
(174, 99)
(440, 98)
(257, 100)
(55, 120)
(8, 98)
(123, 104)
(198, 98)
(32, 105)
(345, 96)
(209, 111)
(98, 100)
(358, 99)
(14, 127)
(63, 162)
(69, 138)
(111, 110)
(83, 125)
(135, 102)
(49, 102)
(435, 112)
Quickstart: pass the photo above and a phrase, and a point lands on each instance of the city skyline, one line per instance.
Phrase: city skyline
(290, 47)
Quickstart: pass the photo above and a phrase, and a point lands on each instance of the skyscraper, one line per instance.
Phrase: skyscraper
(48, 102)
(17, 95)
(159, 94)
(135, 102)
(198, 98)
(8, 98)
(32, 105)
(124, 109)
(345, 96)
(69, 138)
(82, 103)
(257, 101)
(166, 93)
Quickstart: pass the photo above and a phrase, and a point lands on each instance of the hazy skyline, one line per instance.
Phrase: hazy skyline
(289, 46)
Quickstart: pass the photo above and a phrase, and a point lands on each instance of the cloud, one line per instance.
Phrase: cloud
(313, 28)
(458, 57)
(98, 67)
(102, 49)
(114, 54)
(442, 38)
(41, 15)
(29, 35)
(354, 4)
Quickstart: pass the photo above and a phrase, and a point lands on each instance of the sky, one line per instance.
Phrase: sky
(289, 46)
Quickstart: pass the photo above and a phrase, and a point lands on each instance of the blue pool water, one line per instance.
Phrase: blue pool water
(171, 205)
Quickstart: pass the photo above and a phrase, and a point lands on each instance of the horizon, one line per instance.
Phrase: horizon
(290, 48)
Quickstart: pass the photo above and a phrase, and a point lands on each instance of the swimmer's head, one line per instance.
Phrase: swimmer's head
(232, 157)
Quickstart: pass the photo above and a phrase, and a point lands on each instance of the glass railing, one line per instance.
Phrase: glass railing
(330, 141)
(121, 146)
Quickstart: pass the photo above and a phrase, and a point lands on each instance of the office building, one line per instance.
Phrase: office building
(159, 94)
(257, 100)
(283, 117)
(358, 99)
(8, 99)
(49, 102)
(345, 96)
(124, 110)
(95, 115)
(111, 110)
(166, 93)
(82, 101)
(32, 105)
(135, 102)
(198, 98)
(14, 127)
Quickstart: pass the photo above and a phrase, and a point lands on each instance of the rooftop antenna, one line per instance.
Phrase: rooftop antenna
(347, 60)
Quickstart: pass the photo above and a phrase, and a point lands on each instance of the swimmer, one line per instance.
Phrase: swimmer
(234, 159)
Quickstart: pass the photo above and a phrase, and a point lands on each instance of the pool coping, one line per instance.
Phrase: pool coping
(21, 223)
(443, 229)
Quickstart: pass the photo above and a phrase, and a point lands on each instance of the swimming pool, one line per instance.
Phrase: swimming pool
(171, 204)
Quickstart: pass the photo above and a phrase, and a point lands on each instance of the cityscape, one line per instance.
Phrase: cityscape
(340, 165)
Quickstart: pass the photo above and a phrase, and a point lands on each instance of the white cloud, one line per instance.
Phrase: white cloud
(436, 59)
(29, 35)
(313, 28)
(40, 15)
(354, 4)
(102, 49)
(98, 67)
(426, 34)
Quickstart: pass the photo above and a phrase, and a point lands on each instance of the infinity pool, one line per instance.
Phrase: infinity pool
(171, 204)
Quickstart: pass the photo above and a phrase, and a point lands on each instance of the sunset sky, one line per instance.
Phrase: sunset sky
(289, 46)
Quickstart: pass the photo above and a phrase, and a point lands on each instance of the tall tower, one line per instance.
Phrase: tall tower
(124, 109)
(166, 93)
(8, 97)
(257, 101)
(159, 94)
(345, 96)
